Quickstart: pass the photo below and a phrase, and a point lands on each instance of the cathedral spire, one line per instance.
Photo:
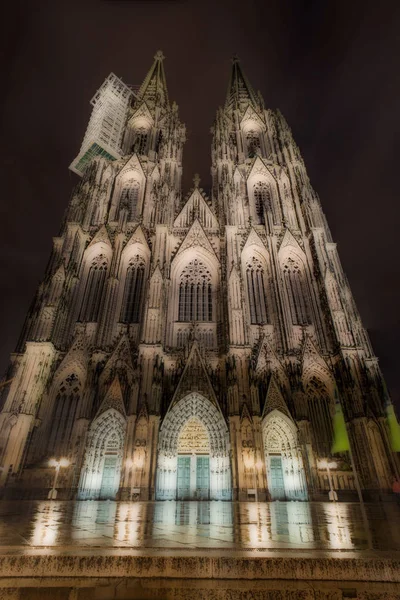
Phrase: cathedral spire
(240, 92)
(154, 87)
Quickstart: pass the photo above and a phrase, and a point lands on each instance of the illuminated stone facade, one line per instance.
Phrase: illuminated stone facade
(192, 347)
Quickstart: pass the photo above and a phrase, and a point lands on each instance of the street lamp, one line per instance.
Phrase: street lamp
(325, 464)
(63, 462)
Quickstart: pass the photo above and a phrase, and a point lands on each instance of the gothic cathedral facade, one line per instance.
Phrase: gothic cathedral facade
(192, 347)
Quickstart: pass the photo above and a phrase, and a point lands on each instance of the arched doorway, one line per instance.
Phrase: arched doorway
(193, 457)
(101, 470)
(283, 458)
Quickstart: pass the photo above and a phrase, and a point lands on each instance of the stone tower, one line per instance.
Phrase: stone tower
(192, 347)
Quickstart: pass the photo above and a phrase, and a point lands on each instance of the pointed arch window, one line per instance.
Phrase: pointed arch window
(263, 201)
(256, 286)
(253, 142)
(320, 417)
(141, 141)
(94, 287)
(64, 415)
(129, 197)
(195, 293)
(133, 291)
(298, 293)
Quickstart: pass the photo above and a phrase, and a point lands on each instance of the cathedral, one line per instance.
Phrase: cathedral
(192, 345)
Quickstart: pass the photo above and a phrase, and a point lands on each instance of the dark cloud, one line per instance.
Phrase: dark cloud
(331, 67)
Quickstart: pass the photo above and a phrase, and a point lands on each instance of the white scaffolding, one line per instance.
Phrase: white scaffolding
(104, 133)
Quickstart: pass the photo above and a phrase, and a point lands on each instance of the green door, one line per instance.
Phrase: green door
(276, 485)
(107, 489)
(183, 479)
(202, 477)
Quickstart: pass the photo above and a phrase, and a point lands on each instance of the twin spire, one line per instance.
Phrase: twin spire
(240, 92)
(154, 87)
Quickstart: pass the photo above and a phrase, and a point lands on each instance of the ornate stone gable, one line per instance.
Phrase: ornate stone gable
(274, 400)
(311, 354)
(195, 379)
(245, 413)
(251, 115)
(78, 352)
(196, 237)
(141, 112)
(313, 362)
(261, 167)
(238, 175)
(196, 207)
(138, 237)
(101, 236)
(289, 239)
(120, 360)
(268, 362)
(132, 163)
(143, 412)
(253, 239)
(113, 399)
(156, 275)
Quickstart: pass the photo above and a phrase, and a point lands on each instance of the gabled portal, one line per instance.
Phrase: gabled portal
(283, 458)
(193, 458)
(101, 471)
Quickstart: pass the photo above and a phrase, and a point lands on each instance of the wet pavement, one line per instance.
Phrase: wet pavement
(105, 525)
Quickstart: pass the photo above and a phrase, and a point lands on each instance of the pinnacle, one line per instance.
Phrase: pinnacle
(240, 93)
(159, 55)
(154, 87)
(196, 180)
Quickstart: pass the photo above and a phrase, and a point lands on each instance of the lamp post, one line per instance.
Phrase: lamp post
(325, 464)
(63, 462)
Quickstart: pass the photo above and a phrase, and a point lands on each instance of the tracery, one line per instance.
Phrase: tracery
(195, 293)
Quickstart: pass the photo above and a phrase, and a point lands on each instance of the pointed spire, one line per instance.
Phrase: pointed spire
(240, 93)
(154, 87)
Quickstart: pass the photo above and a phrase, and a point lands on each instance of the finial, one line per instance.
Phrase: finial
(196, 180)
(235, 59)
(159, 55)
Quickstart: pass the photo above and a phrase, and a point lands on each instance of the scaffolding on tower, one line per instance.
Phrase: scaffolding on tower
(104, 133)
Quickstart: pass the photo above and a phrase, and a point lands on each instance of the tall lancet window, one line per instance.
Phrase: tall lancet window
(320, 416)
(64, 415)
(129, 198)
(256, 286)
(94, 287)
(263, 201)
(298, 292)
(195, 293)
(133, 291)
(140, 141)
(253, 142)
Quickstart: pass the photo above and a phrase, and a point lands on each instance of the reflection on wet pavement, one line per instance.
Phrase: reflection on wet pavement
(203, 525)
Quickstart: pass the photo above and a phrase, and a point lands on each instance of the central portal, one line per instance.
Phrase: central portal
(193, 474)
(193, 452)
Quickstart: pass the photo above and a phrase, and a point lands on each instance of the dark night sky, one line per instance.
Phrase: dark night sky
(331, 67)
